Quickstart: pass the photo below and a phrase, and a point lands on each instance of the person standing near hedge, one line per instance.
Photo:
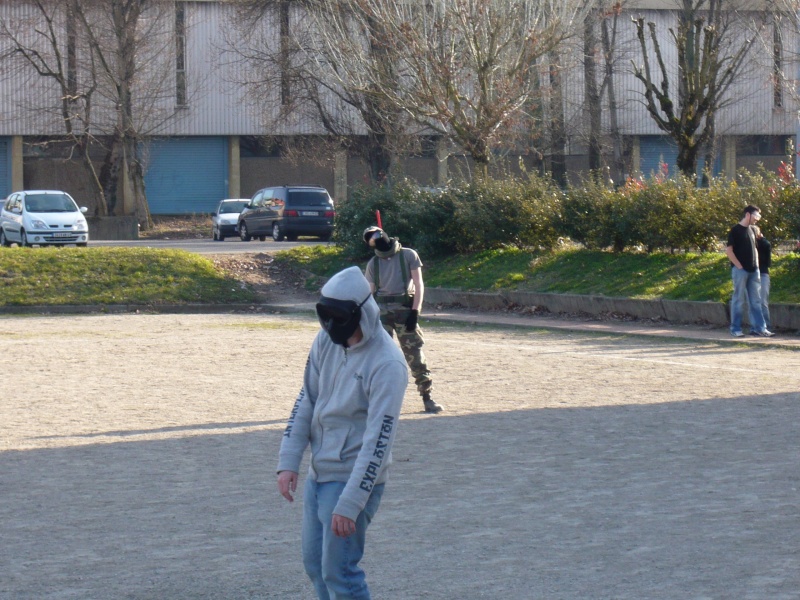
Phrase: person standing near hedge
(395, 278)
(742, 252)
(764, 250)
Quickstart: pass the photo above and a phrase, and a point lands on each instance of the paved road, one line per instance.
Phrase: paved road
(209, 246)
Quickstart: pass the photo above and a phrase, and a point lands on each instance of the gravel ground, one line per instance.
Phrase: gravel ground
(137, 457)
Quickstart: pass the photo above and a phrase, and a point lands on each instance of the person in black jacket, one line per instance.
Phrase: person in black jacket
(741, 251)
(764, 250)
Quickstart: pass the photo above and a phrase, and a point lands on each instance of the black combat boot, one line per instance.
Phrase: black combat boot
(430, 405)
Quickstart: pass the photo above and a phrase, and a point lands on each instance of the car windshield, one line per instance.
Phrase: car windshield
(48, 203)
(309, 198)
(233, 207)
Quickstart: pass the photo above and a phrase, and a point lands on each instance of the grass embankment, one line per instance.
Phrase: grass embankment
(97, 276)
(701, 277)
(146, 276)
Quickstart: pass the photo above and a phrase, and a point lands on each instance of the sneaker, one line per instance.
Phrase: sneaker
(737, 334)
(765, 333)
(430, 405)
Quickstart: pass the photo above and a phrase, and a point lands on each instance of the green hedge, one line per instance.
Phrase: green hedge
(531, 212)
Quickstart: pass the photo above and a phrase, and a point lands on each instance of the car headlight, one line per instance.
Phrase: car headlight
(39, 224)
(81, 224)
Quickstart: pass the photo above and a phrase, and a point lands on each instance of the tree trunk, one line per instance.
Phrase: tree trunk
(377, 153)
(109, 172)
(380, 159)
(618, 162)
(558, 135)
(593, 106)
(687, 159)
(711, 151)
(479, 150)
(136, 177)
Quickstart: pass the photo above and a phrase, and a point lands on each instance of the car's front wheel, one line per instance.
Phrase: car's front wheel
(277, 234)
(243, 233)
(23, 239)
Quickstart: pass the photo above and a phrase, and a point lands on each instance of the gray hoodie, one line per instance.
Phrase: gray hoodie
(350, 403)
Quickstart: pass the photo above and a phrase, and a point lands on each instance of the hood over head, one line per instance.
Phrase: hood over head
(349, 288)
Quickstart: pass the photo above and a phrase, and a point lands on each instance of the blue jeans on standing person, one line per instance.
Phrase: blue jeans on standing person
(746, 287)
(765, 299)
(331, 562)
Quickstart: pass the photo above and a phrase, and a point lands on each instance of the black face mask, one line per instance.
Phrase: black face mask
(383, 243)
(339, 318)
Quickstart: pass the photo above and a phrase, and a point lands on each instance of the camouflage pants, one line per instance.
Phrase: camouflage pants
(393, 319)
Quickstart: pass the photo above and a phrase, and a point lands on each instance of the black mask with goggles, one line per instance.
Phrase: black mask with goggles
(339, 318)
(382, 240)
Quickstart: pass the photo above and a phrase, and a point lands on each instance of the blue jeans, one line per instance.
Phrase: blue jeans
(331, 562)
(765, 299)
(746, 287)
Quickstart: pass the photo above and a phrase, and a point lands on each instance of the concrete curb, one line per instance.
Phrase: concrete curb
(73, 309)
(784, 316)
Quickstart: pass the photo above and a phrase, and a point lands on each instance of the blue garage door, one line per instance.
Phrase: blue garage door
(655, 149)
(187, 175)
(5, 167)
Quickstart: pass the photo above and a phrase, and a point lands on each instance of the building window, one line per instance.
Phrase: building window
(762, 145)
(180, 54)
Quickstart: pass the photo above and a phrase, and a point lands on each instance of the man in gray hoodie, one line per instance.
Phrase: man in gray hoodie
(347, 411)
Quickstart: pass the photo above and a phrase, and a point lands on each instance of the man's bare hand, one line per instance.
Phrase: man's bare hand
(287, 484)
(342, 526)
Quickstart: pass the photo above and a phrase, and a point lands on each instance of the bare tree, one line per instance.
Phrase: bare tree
(46, 40)
(113, 65)
(781, 44)
(609, 42)
(335, 31)
(710, 56)
(599, 62)
(556, 123)
(295, 76)
(465, 69)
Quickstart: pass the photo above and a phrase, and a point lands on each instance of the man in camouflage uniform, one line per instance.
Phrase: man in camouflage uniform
(395, 278)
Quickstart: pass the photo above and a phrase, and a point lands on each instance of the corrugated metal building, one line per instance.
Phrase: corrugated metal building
(204, 127)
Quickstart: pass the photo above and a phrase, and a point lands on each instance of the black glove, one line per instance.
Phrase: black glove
(411, 321)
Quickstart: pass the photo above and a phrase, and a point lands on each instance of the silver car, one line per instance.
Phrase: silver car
(224, 219)
(44, 218)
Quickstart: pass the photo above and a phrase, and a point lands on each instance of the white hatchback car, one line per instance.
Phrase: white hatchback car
(224, 219)
(44, 218)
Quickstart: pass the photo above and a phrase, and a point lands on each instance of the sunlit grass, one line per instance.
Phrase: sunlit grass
(689, 276)
(56, 276)
(146, 276)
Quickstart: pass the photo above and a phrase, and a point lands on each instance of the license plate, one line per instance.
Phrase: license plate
(309, 213)
(62, 234)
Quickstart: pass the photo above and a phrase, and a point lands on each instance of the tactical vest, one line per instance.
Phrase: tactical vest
(405, 298)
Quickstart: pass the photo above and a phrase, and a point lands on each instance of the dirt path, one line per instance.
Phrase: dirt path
(137, 457)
